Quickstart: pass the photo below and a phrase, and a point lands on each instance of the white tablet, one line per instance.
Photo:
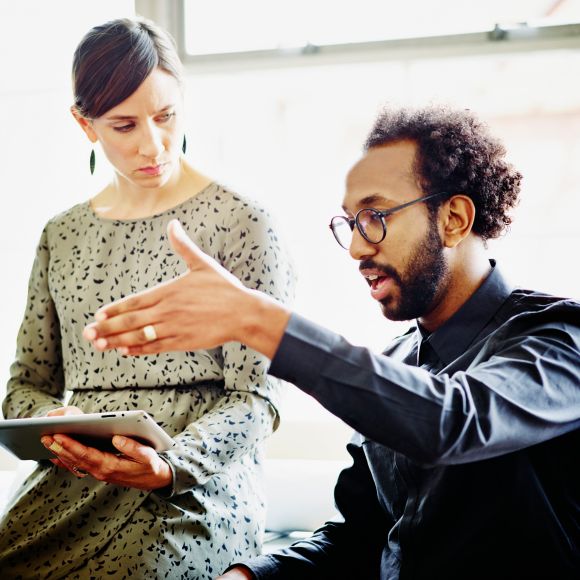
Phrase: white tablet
(22, 436)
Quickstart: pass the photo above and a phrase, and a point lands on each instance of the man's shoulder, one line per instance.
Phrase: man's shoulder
(530, 308)
(524, 301)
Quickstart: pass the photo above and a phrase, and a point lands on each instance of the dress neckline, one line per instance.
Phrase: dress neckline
(89, 209)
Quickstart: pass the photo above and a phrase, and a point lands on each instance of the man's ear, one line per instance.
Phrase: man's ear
(85, 124)
(458, 215)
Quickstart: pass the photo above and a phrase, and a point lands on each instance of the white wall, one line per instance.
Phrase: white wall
(44, 157)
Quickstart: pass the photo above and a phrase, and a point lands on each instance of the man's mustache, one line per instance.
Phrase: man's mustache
(385, 269)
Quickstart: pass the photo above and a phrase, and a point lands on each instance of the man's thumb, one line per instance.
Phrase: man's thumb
(184, 246)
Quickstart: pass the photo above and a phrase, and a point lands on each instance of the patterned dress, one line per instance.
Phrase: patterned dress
(218, 404)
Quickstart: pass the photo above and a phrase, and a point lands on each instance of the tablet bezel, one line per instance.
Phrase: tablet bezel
(21, 437)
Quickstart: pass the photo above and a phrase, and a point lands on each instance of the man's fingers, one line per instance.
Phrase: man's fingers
(156, 347)
(185, 247)
(127, 322)
(131, 338)
(144, 299)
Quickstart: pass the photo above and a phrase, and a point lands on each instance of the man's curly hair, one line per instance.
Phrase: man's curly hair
(455, 154)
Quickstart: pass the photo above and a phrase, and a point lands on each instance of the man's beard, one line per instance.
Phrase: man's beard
(419, 285)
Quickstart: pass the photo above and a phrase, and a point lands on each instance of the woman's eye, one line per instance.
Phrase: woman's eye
(166, 117)
(124, 128)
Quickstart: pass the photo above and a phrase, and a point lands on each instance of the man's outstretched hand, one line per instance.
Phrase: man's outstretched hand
(203, 308)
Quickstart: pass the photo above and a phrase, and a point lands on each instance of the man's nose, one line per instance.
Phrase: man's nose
(359, 247)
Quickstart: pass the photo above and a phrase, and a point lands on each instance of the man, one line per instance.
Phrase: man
(467, 426)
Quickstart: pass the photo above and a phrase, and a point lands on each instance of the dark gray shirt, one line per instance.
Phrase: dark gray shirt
(466, 451)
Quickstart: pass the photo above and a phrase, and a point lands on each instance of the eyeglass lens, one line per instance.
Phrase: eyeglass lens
(341, 230)
(371, 225)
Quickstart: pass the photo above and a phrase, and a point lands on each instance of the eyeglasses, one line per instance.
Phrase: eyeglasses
(369, 222)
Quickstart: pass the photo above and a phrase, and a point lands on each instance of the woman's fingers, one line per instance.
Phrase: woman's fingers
(61, 411)
(72, 468)
(136, 451)
(139, 466)
(80, 459)
(72, 453)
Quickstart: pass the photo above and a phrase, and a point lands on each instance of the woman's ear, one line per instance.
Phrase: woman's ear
(459, 215)
(85, 124)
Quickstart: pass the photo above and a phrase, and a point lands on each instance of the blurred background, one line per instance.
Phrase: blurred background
(279, 99)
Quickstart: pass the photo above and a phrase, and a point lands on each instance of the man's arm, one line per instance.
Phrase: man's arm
(522, 394)
(349, 547)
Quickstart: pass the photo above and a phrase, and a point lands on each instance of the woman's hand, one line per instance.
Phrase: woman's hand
(60, 411)
(203, 308)
(139, 466)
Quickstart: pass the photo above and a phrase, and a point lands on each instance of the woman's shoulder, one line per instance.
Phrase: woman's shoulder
(237, 206)
(69, 216)
(67, 220)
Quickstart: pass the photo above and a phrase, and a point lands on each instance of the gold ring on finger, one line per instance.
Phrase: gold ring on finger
(149, 333)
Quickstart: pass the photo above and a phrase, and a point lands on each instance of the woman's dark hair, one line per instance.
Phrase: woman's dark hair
(455, 154)
(112, 60)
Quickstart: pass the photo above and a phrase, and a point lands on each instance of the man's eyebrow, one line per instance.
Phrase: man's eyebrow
(371, 200)
(374, 198)
(130, 117)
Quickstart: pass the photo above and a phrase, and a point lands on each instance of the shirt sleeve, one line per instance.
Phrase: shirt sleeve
(349, 546)
(520, 391)
(248, 411)
(36, 383)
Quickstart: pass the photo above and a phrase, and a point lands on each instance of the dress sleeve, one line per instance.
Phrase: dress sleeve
(36, 382)
(349, 546)
(519, 391)
(248, 411)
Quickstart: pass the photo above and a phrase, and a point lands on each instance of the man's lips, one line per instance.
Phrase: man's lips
(381, 284)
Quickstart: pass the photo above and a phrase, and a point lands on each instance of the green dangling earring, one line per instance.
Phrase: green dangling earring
(184, 145)
(92, 161)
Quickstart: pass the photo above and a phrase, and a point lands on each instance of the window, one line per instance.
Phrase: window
(230, 26)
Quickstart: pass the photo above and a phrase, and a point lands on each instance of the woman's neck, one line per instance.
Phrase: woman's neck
(123, 200)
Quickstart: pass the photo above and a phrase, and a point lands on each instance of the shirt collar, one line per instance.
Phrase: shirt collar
(455, 336)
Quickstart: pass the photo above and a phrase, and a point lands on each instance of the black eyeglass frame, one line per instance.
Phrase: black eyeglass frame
(382, 215)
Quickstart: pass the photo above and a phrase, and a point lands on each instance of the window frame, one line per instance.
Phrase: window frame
(500, 39)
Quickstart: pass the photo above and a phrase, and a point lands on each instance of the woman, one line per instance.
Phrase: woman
(190, 511)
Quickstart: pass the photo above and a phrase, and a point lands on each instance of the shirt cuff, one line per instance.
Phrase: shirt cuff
(169, 490)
